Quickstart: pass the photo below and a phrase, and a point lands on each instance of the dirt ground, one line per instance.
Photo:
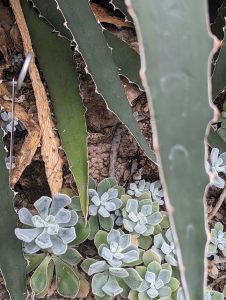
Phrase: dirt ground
(112, 149)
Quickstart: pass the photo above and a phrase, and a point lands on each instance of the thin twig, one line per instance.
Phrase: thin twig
(114, 149)
(217, 281)
(218, 205)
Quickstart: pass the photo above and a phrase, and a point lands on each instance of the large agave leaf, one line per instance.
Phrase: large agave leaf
(120, 4)
(12, 263)
(219, 73)
(125, 58)
(56, 61)
(174, 73)
(87, 33)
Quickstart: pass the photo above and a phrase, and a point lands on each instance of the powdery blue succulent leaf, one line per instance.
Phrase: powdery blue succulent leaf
(25, 216)
(63, 216)
(51, 232)
(58, 246)
(152, 293)
(157, 192)
(130, 256)
(165, 275)
(42, 206)
(137, 188)
(112, 287)
(59, 201)
(98, 267)
(103, 212)
(118, 272)
(129, 225)
(217, 165)
(112, 193)
(31, 247)
(132, 206)
(155, 218)
(165, 291)
(113, 236)
(27, 235)
(93, 209)
(110, 206)
(67, 235)
(125, 241)
(72, 221)
(43, 240)
(150, 277)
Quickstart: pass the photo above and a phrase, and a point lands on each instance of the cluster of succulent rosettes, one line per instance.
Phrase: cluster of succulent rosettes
(113, 273)
(141, 216)
(164, 246)
(52, 228)
(218, 240)
(136, 189)
(216, 165)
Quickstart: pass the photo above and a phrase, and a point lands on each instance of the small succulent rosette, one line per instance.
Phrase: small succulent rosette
(218, 240)
(51, 228)
(158, 282)
(6, 118)
(105, 203)
(154, 189)
(141, 218)
(164, 246)
(216, 165)
(112, 274)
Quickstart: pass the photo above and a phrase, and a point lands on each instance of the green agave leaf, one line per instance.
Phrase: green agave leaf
(76, 203)
(125, 58)
(56, 61)
(120, 4)
(219, 73)
(34, 260)
(12, 262)
(72, 256)
(175, 80)
(215, 141)
(86, 34)
(67, 281)
(39, 279)
(50, 271)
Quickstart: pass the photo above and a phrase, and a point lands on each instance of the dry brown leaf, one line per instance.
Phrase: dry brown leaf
(50, 141)
(104, 16)
(16, 38)
(3, 44)
(30, 144)
(84, 288)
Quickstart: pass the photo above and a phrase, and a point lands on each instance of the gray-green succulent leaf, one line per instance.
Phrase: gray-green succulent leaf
(218, 240)
(216, 165)
(209, 295)
(141, 216)
(165, 247)
(119, 250)
(52, 228)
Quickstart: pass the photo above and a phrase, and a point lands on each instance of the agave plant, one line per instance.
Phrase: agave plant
(217, 165)
(141, 216)
(52, 228)
(165, 247)
(112, 275)
(218, 240)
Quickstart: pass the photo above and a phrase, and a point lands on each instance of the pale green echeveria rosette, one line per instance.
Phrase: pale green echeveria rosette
(104, 204)
(216, 165)
(141, 216)
(218, 240)
(164, 246)
(117, 253)
(158, 282)
(52, 226)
